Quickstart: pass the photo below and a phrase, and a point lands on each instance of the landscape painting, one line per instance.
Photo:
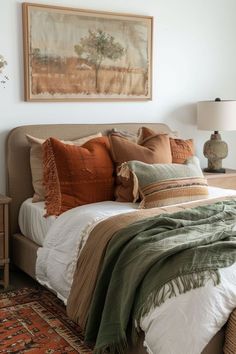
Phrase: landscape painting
(80, 55)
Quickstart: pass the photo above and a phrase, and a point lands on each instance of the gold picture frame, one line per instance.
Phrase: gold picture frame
(83, 55)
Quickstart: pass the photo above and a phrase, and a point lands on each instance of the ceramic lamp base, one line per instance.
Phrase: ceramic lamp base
(215, 150)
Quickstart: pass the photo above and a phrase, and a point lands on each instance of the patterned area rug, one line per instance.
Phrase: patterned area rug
(34, 321)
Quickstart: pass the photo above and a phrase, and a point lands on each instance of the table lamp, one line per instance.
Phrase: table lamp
(217, 116)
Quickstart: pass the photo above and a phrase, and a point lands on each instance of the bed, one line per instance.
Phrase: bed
(19, 186)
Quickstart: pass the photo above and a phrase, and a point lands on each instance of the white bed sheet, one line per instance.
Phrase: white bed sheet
(32, 222)
(35, 226)
(56, 260)
(182, 325)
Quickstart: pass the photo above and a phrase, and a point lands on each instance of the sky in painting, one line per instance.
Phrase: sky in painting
(56, 33)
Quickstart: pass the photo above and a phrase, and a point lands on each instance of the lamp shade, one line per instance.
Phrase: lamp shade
(216, 115)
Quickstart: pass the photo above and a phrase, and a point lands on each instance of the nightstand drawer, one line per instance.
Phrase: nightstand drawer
(2, 255)
(1, 218)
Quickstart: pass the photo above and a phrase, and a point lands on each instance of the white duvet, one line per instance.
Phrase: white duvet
(182, 325)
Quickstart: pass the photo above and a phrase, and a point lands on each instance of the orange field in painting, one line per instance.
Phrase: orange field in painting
(76, 76)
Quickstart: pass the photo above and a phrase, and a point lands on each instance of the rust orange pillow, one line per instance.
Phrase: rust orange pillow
(36, 161)
(76, 175)
(181, 149)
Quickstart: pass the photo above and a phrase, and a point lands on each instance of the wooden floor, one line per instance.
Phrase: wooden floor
(19, 279)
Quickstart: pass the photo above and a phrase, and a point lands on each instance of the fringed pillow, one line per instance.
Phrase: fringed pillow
(36, 161)
(77, 175)
(166, 184)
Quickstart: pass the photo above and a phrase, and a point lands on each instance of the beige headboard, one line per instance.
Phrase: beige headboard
(19, 186)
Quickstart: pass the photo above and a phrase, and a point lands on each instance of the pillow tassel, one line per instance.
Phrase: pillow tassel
(124, 171)
(136, 188)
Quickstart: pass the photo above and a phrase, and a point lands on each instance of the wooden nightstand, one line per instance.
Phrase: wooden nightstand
(224, 180)
(4, 239)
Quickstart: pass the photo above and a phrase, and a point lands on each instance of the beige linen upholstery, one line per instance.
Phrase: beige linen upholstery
(19, 187)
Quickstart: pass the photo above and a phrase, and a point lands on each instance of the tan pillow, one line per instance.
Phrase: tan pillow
(154, 149)
(144, 133)
(36, 162)
(181, 149)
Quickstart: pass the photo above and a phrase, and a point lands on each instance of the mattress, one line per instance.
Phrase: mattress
(32, 222)
(35, 226)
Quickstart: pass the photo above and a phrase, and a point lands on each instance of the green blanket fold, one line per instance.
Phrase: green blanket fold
(153, 260)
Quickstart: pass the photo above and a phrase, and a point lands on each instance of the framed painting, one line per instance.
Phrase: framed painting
(81, 55)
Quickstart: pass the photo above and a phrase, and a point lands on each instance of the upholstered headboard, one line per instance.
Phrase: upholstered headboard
(19, 185)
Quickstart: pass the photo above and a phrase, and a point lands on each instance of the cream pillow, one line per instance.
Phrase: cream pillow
(36, 162)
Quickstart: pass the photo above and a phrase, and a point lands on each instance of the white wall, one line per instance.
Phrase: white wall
(194, 59)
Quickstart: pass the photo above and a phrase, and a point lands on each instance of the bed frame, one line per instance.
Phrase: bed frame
(19, 188)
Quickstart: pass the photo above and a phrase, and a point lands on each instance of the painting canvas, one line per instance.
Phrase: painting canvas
(84, 55)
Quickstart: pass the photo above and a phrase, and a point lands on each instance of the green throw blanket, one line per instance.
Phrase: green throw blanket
(153, 260)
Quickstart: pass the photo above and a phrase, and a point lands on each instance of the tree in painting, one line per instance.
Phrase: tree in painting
(96, 47)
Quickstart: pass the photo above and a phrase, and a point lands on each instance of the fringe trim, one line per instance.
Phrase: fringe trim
(136, 187)
(114, 348)
(174, 287)
(51, 181)
(177, 286)
(147, 347)
(84, 235)
(125, 172)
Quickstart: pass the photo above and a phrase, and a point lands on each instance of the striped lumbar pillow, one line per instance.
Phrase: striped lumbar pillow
(167, 184)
